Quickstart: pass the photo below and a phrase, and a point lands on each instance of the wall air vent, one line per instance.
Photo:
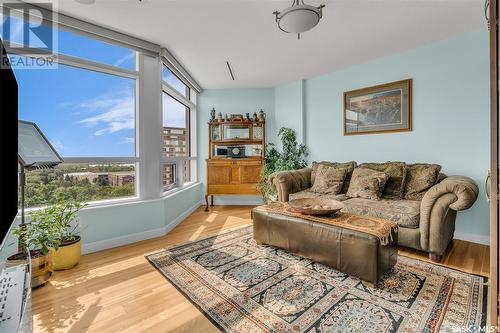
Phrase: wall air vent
(230, 70)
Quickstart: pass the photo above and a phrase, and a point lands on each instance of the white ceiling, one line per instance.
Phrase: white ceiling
(204, 34)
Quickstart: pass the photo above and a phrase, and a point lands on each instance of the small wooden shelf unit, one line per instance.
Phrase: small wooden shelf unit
(234, 175)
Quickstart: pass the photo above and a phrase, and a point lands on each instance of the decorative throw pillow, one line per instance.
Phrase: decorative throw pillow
(349, 166)
(367, 183)
(328, 180)
(397, 174)
(420, 177)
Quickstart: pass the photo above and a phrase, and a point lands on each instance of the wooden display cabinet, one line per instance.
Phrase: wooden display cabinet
(235, 157)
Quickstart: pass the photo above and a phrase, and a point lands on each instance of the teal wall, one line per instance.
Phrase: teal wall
(107, 222)
(289, 108)
(100, 223)
(178, 203)
(125, 219)
(231, 101)
(450, 114)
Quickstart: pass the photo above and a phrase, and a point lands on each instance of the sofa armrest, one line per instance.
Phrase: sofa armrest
(288, 182)
(453, 192)
(464, 189)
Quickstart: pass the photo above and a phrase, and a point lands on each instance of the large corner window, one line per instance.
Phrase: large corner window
(86, 108)
(177, 158)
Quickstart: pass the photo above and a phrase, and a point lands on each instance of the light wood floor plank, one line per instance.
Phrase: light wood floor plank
(117, 290)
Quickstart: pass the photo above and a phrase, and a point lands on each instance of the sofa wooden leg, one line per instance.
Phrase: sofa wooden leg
(435, 257)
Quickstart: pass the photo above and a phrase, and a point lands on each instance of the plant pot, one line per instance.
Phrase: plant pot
(41, 269)
(67, 255)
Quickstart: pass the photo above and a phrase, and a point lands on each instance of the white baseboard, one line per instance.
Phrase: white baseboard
(479, 239)
(181, 217)
(139, 236)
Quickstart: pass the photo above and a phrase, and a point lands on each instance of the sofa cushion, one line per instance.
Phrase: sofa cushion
(396, 172)
(307, 194)
(349, 166)
(420, 177)
(328, 180)
(405, 212)
(367, 183)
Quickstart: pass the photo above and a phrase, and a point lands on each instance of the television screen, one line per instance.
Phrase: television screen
(8, 133)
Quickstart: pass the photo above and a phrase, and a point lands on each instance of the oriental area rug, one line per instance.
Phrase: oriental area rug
(244, 287)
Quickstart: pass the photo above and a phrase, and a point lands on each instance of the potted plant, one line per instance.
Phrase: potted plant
(37, 237)
(292, 157)
(66, 251)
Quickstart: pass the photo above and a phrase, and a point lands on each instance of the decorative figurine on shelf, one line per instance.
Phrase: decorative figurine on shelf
(247, 115)
(262, 116)
(219, 117)
(236, 117)
(255, 118)
(212, 114)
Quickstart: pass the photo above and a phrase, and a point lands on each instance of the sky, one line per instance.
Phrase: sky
(85, 113)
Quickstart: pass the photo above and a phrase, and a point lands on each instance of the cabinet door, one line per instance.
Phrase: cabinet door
(219, 173)
(250, 172)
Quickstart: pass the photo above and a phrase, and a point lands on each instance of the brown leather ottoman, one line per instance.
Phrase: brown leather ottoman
(349, 251)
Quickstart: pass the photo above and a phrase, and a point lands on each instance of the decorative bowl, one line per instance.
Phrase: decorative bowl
(315, 206)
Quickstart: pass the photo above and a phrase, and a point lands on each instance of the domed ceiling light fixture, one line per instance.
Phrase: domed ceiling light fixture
(298, 18)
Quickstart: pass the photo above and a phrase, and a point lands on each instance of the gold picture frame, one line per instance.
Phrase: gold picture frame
(383, 108)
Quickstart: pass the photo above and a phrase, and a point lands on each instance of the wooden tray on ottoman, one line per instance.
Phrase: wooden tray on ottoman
(316, 206)
(353, 252)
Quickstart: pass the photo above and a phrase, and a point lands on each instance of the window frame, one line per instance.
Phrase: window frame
(187, 102)
(84, 64)
(148, 184)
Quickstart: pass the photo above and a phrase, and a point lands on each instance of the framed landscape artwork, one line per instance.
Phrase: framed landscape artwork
(378, 109)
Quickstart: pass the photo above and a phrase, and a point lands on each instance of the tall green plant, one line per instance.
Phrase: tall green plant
(292, 157)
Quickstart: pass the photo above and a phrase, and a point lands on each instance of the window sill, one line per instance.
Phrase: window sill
(176, 190)
(93, 204)
(126, 201)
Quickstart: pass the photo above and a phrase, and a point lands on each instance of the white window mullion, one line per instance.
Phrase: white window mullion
(116, 160)
(149, 96)
(67, 60)
(194, 146)
(177, 95)
(169, 61)
(95, 66)
(179, 166)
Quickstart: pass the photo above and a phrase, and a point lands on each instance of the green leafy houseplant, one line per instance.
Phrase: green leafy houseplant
(50, 227)
(292, 157)
(38, 237)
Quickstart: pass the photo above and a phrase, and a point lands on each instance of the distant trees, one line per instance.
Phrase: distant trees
(45, 187)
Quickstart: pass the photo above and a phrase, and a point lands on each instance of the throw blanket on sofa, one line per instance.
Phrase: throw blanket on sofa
(374, 226)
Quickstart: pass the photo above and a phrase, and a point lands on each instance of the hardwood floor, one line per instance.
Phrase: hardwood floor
(117, 290)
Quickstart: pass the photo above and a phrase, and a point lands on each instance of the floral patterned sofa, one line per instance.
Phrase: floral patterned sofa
(425, 208)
